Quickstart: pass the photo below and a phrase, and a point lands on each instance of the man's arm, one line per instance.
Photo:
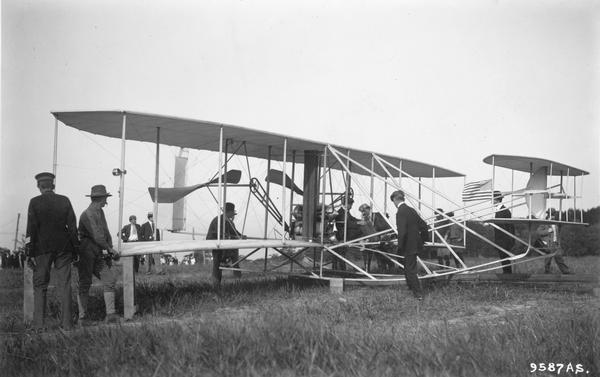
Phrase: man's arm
(72, 227)
(92, 223)
(124, 235)
(401, 222)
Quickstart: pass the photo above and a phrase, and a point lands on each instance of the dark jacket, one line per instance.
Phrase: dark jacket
(229, 232)
(147, 232)
(93, 230)
(353, 226)
(51, 224)
(410, 226)
(126, 232)
(500, 237)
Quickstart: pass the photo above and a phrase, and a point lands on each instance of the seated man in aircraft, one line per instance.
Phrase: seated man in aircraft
(353, 231)
(132, 232)
(374, 223)
(502, 239)
(228, 232)
(549, 241)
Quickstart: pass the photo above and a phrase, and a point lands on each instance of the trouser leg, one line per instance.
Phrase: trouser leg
(63, 285)
(506, 265)
(41, 278)
(341, 263)
(216, 268)
(108, 277)
(410, 272)
(560, 261)
(85, 270)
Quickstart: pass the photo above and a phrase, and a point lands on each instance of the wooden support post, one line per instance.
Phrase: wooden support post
(267, 205)
(127, 263)
(310, 200)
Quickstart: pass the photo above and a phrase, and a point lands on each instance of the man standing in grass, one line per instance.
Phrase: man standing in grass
(97, 255)
(550, 239)
(502, 234)
(51, 239)
(410, 243)
(228, 232)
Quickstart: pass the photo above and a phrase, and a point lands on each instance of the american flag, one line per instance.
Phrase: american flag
(480, 190)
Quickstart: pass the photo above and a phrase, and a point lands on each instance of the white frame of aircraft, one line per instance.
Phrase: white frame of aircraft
(389, 170)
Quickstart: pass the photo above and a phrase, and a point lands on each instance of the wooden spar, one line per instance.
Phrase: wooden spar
(55, 154)
(348, 183)
(128, 274)
(220, 211)
(267, 205)
(225, 188)
(493, 179)
(292, 235)
(323, 215)
(283, 176)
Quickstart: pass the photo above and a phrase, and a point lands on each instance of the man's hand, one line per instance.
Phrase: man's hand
(31, 263)
(115, 254)
(75, 260)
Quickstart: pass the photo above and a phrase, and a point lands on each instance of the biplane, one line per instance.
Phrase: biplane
(306, 214)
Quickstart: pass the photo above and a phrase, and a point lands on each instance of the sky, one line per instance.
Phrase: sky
(444, 82)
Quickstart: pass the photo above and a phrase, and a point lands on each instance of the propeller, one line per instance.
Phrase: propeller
(173, 194)
(275, 176)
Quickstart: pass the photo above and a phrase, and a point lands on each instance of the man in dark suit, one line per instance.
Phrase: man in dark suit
(150, 233)
(502, 239)
(51, 238)
(132, 232)
(410, 227)
(347, 229)
(228, 232)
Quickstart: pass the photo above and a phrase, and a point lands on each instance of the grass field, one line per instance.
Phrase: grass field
(277, 327)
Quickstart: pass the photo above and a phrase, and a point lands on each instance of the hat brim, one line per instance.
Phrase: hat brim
(99, 196)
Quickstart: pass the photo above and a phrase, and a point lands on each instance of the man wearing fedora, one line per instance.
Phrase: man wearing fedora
(51, 239)
(228, 232)
(410, 242)
(97, 254)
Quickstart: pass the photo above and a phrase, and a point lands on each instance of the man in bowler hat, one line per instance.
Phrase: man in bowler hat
(51, 239)
(97, 255)
(410, 226)
(228, 232)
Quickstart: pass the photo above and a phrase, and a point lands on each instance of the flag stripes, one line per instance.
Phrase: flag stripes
(480, 190)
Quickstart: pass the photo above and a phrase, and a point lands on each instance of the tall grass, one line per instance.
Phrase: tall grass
(275, 328)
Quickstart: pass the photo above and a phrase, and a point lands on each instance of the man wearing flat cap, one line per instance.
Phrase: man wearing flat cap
(410, 227)
(51, 239)
(97, 254)
(228, 232)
